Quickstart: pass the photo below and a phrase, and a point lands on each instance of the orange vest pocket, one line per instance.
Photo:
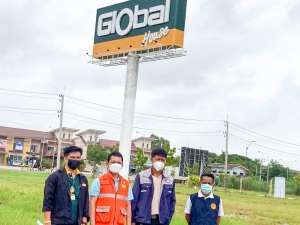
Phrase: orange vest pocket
(123, 216)
(103, 214)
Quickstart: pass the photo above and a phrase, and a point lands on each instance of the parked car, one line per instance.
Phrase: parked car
(17, 163)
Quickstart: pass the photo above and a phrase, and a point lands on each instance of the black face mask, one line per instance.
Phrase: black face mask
(73, 164)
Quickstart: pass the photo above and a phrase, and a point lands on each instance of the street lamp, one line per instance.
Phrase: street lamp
(287, 167)
(248, 147)
(268, 165)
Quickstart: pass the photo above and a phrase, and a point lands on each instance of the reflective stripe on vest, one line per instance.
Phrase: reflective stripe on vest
(112, 196)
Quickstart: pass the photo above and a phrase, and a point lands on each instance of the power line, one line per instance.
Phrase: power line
(31, 109)
(244, 142)
(184, 132)
(31, 92)
(105, 106)
(91, 122)
(264, 139)
(157, 132)
(119, 113)
(29, 96)
(153, 115)
(22, 124)
(261, 146)
(27, 112)
(264, 135)
(73, 114)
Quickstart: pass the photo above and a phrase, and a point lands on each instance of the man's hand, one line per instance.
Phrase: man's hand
(84, 221)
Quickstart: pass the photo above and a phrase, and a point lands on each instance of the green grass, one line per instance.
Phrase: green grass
(21, 195)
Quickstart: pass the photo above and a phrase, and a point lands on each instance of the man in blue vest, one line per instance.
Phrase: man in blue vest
(204, 207)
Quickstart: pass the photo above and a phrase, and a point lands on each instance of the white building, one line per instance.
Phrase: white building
(232, 169)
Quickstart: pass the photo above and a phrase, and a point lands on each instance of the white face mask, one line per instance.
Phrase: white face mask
(115, 167)
(158, 166)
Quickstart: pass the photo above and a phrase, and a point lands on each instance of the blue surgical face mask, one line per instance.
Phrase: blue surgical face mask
(206, 188)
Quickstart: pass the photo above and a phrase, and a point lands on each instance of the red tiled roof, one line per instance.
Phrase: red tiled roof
(110, 143)
(25, 133)
(50, 154)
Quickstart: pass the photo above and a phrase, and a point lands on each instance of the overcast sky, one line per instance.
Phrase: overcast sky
(242, 61)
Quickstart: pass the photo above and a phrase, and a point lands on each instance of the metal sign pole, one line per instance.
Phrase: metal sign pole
(128, 111)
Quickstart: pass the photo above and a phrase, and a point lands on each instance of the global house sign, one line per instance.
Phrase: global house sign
(138, 24)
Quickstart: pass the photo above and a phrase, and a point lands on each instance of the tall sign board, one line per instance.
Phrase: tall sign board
(139, 24)
(190, 156)
(132, 32)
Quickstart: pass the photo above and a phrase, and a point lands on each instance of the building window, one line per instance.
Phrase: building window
(15, 158)
(96, 139)
(91, 138)
(69, 136)
(228, 172)
(242, 174)
(214, 171)
(64, 135)
(147, 145)
(143, 145)
(50, 149)
(234, 173)
(18, 145)
(34, 148)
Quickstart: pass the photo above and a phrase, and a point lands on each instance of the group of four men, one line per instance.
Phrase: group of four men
(112, 201)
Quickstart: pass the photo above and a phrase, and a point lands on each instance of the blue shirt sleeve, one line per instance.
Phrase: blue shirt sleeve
(130, 194)
(95, 188)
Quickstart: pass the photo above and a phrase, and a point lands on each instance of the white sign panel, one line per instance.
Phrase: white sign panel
(3, 143)
(279, 187)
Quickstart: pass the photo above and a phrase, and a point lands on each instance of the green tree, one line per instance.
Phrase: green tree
(172, 160)
(212, 158)
(275, 170)
(297, 178)
(114, 148)
(193, 170)
(140, 160)
(96, 155)
(160, 142)
(194, 180)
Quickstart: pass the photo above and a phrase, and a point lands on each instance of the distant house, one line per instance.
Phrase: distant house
(232, 169)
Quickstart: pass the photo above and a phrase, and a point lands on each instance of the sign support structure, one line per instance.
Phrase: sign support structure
(133, 32)
(128, 110)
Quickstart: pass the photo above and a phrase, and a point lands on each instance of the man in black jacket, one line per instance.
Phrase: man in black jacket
(66, 198)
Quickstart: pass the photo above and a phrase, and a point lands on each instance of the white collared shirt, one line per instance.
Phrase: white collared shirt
(156, 195)
(188, 205)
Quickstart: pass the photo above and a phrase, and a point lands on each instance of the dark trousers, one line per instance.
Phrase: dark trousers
(153, 222)
(66, 224)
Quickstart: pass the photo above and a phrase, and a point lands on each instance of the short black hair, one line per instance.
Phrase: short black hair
(115, 153)
(208, 175)
(69, 149)
(160, 152)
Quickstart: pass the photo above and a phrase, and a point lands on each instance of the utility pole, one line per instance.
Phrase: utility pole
(260, 170)
(42, 152)
(60, 130)
(226, 154)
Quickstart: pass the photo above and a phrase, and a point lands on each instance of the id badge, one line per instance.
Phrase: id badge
(72, 197)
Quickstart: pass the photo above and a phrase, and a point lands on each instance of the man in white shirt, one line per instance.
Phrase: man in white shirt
(204, 207)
